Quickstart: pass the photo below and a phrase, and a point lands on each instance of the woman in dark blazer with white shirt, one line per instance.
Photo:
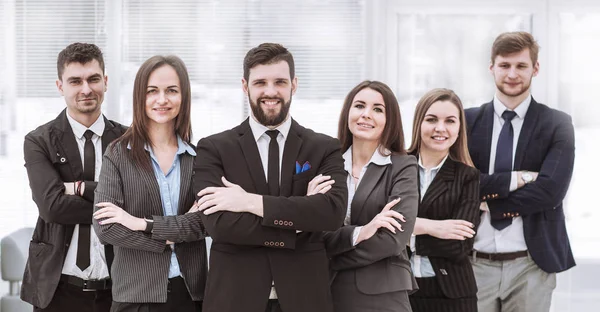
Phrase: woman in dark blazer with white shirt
(371, 270)
(144, 192)
(449, 206)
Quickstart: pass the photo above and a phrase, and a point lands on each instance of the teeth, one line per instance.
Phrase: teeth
(161, 109)
(272, 102)
(437, 138)
(366, 126)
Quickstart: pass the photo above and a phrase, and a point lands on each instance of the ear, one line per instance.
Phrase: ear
(105, 83)
(59, 86)
(536, 68)
(294, 85)
(491, 68)
(245, 85)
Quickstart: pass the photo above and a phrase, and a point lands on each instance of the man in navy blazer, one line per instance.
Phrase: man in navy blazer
(525, 152)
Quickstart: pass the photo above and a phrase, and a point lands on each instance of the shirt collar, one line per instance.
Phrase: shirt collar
(436, 167)
(182, 147)
(259, 130)
(521, 109)
(78, 129)
(377, 158)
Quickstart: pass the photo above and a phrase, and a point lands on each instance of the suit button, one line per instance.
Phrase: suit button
(271, 244)
(286, 223)
(276, 244)
(281, 244)
(275, 222)
(266, 243)
(504, 215)
(291, 223)
(517, 214)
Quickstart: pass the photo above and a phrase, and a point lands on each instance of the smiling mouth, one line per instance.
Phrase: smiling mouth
(270, 103)
(366, 126)
(162, 109)
(439, 138)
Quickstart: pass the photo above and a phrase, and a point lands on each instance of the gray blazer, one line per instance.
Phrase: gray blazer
(141, 264)
(380, 263)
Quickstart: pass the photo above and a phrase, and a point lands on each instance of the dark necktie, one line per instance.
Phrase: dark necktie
(89, 165)
(273, 165)
(504, 157)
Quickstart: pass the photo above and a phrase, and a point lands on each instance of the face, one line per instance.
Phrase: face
(440, 127)
(513, 73)
(83, 87)
(163, 96)
(366, 118)
(270, 89)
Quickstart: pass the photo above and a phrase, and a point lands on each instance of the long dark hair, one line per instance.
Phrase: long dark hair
(137, 134)
(392, 137)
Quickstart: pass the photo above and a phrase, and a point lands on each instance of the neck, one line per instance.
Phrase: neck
(86, 119)
(362, 151)
(162, 136)
(511, 102)
(430, 159)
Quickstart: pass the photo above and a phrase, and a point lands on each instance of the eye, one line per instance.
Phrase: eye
(75, 82)
(95, 79)
(431, 119)
(451, 121)
(259, 83)
(281, 82)
(358, 105)
(173, 91)
(151, 91)
(379, 110)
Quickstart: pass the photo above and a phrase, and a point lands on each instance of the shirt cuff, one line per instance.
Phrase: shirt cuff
(355, 234)
(513, 182)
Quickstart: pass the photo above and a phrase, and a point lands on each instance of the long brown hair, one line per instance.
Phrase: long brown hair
(459, 151)
(392, 137)
(137, 134)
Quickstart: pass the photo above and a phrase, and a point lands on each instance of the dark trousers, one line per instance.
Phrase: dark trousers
(72, 298)
(178, 299)
(431, 298)
(273, 306)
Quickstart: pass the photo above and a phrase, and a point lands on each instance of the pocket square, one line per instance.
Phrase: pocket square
(305, 167)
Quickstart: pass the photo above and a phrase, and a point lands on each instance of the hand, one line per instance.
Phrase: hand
(113, 214)
(69, 188)
(194, 208)
(386, 219)
(484, 207)
(319, 184)
(448, 229)
(229, 198)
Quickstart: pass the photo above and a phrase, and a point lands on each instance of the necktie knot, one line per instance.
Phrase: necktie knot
(508, 115)
(88, 135)
(272, 133)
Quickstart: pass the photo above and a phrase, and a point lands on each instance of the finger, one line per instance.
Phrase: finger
(465, 223)
(314, 181)
(108, 221)
(393, 222)
(391, 204)
(101, 211)
(208, 190)
(205, 199)
(207, 204)
(323, 185)
(105, 204)
(463, 232)
(386, 225)
(325, 190)
(227, 183)
(464, 226)
(394, 214)
(106, 214)
(455, 237)
(211, 210)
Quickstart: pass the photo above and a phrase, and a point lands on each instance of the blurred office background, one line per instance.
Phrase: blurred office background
(413, 45)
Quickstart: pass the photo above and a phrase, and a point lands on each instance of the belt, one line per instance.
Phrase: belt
(86, 285)
(503, 256)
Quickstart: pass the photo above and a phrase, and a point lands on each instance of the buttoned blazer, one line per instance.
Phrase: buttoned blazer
(141, 266)
(453, 194)
(546, 145)
(52, 158)
(380, 263)
(249, 252)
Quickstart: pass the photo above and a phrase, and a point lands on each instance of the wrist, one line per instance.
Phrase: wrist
(255, 204)
(145, 224)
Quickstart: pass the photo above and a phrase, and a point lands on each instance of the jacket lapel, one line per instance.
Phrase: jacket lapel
(149, 179)
(252, 157)
(109, 134)
(531, 118)
(293, 143)
(186, 168)
(484, 136)
(366, 186)
(438, 186)
(67, 144)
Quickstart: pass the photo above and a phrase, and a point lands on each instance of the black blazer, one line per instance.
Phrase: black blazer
(51, 159)
(453, 194)
(380, 263)
(249, 252)
(546, 145)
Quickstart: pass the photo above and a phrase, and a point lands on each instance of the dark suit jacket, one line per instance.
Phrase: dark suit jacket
(453, 194)
(546, 145)
(380, 263)
(51, 159)
(249, 252)
(141, 267)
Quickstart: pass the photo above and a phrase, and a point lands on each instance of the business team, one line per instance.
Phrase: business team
(470, 218)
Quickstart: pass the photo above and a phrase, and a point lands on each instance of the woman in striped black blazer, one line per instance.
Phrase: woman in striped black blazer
(144, 193)
(449, 207)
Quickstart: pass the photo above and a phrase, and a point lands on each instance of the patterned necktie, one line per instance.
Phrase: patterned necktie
(273, 165)
(504, 157)
(89, 166)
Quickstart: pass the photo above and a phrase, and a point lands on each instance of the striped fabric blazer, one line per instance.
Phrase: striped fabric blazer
(141, 264)
(453, 194)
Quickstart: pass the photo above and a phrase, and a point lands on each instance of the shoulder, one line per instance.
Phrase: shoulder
(219, 139)
(119, 128)
(547, 113)
(42, 131)
(402, 162)
(470, 173)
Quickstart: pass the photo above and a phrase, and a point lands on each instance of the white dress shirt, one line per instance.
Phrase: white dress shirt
(378, 159)
(262, 141)
(98, 268)
(511, 238)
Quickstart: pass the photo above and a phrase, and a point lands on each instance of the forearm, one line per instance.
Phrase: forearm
(117, 235)
(339, 241)
(181, 228)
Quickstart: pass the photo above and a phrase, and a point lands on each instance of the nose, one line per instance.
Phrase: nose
(85, 89)
(512, 73)
(162, 98)
(439, 127)
(366, 113)
(270, 90)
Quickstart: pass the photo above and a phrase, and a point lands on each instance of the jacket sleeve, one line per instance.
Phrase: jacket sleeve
(384, 243)
(467, 208)
(339, 241)
(181, 228)
(552, 183)
(494, 186)
(47, 187)
(110, 189)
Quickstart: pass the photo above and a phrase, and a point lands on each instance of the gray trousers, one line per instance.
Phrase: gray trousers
(512, 286)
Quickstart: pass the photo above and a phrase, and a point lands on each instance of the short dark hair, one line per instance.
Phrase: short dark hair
(80, 53)
(265, 54)
(513, 42)
(392, 137)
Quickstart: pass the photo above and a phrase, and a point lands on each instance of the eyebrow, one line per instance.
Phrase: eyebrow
(363, 102)
(155, 87)
(79, 78)
(432, 115)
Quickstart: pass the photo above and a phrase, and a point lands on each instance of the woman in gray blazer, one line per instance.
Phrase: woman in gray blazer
(371, 270)
(144, 193)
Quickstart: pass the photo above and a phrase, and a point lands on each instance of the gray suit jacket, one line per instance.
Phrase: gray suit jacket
(380, 263)
(141, 265)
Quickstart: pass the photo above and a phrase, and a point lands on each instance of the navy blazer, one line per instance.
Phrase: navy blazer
(546, 145)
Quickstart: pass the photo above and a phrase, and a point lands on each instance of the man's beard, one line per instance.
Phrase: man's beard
(269, 120)
(517, 93)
